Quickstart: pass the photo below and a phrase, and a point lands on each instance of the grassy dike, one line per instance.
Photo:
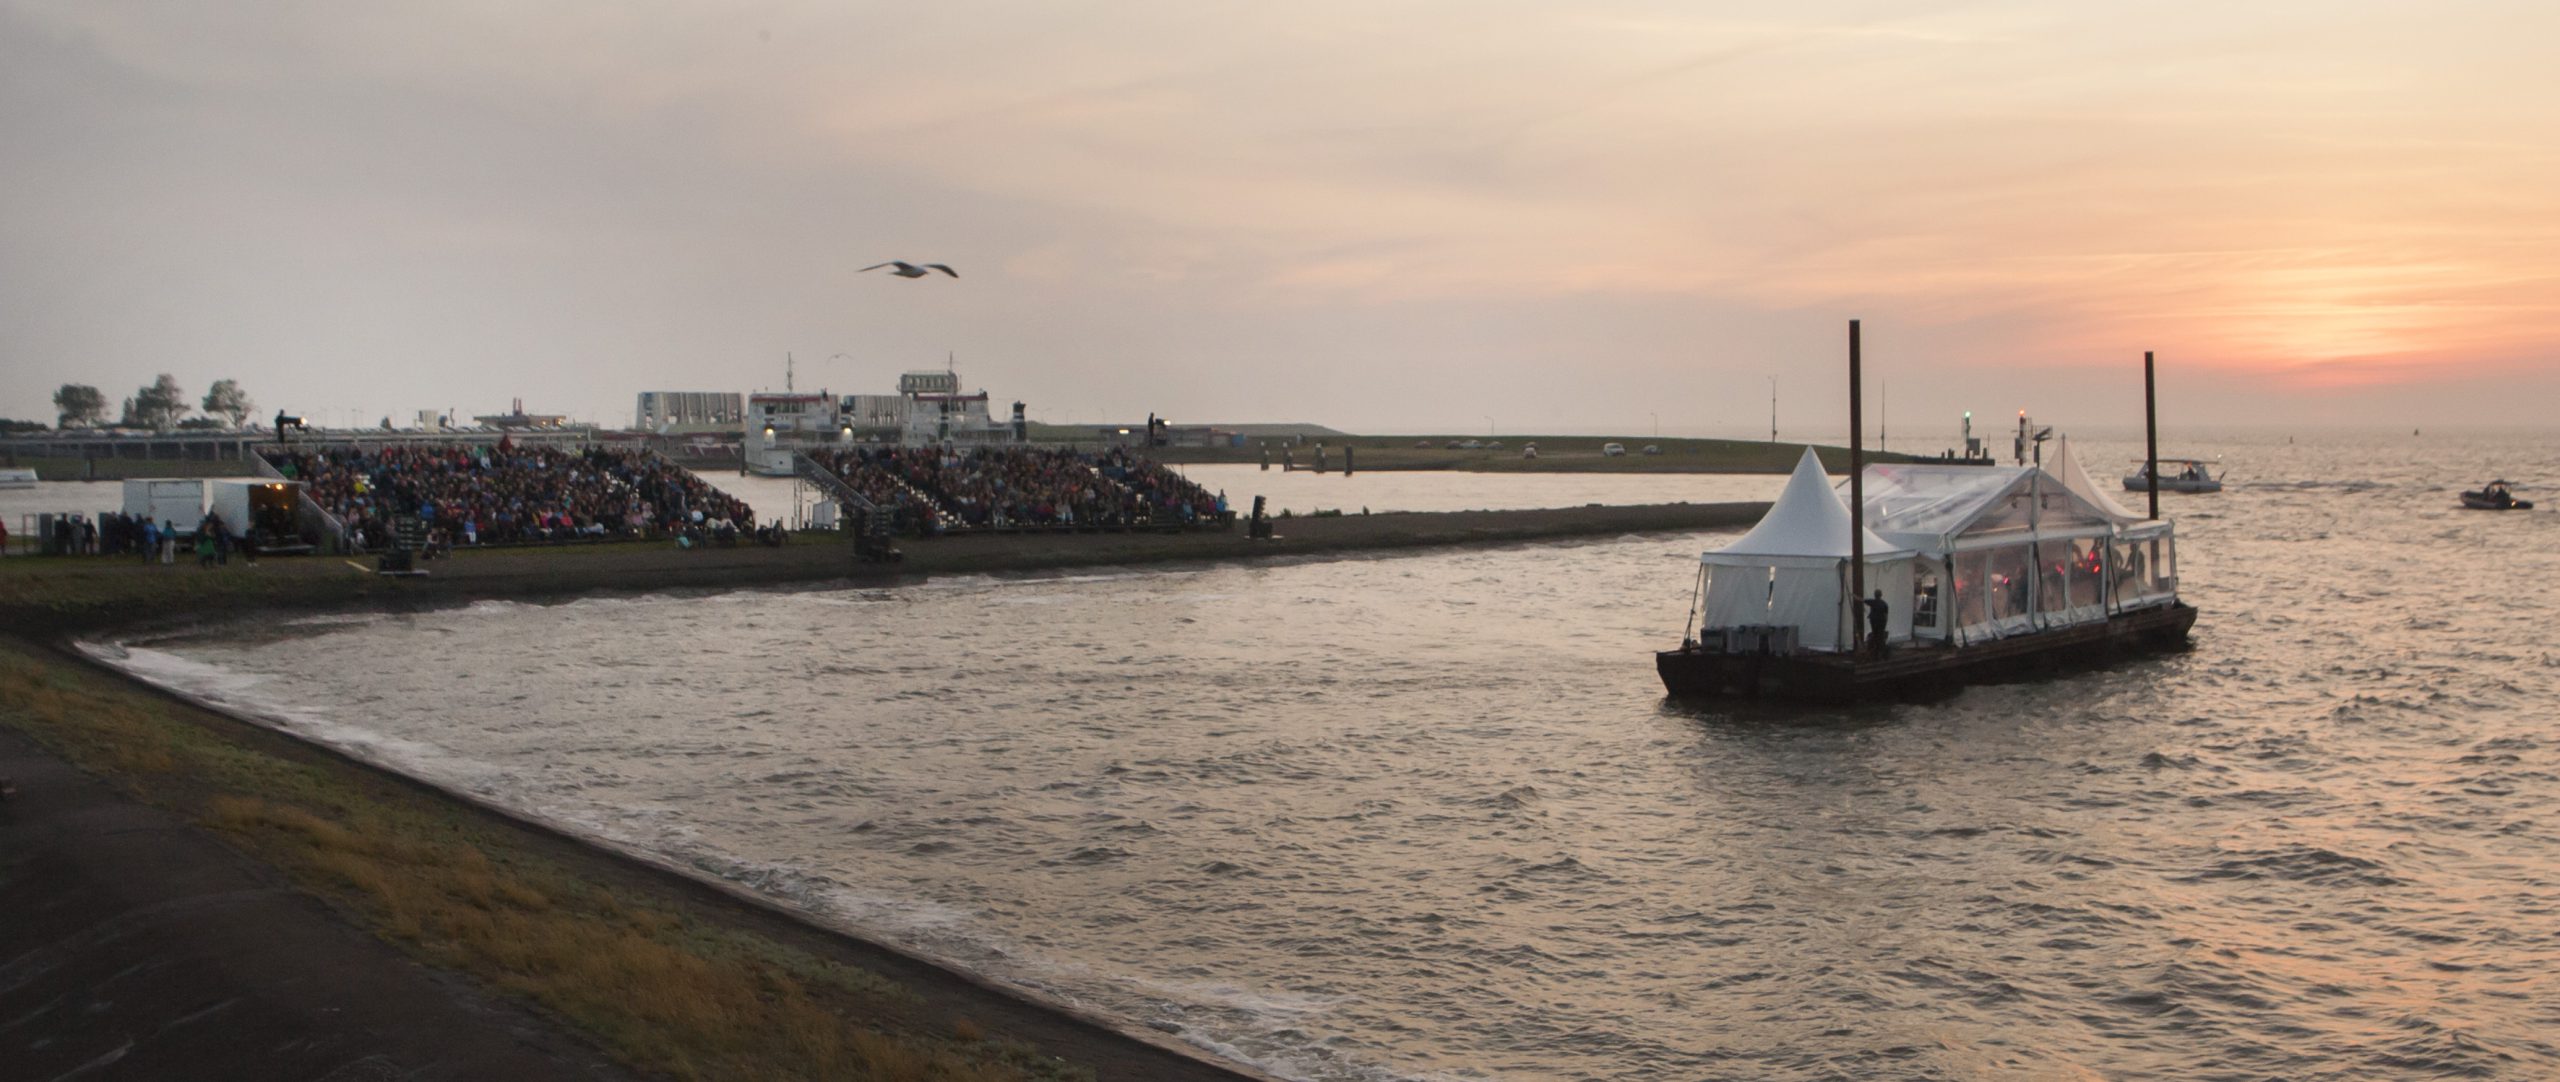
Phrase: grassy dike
(667, 974)
(660, 980)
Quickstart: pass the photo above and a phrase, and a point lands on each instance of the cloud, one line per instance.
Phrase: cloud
(398, 205)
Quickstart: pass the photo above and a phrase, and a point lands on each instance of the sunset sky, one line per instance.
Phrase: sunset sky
(1525, 217)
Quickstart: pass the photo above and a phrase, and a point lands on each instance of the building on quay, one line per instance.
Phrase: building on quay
(929, 408)
(690, 411)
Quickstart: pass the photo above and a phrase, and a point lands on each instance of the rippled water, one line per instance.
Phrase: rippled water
(1430, 816)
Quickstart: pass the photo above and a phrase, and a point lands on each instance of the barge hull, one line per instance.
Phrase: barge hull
(1920, 672)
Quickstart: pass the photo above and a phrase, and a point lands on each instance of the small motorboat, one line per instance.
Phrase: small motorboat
(16, 477)
(2176, 475)
(2495, 496)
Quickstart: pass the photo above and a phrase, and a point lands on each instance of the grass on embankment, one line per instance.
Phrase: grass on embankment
(637, 968)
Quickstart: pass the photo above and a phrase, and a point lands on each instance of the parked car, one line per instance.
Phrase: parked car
(1652, 449)
(1613, 450)
(1422, 443)
(1528, 450)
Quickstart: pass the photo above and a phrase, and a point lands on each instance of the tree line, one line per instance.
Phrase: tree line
(160, 405)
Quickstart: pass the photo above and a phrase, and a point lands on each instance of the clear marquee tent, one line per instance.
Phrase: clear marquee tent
(1963, 553)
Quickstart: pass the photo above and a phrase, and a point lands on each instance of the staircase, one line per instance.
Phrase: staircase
(827, 482)
(309, 516)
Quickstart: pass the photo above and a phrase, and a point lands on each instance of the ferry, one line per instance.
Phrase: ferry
(16, 477)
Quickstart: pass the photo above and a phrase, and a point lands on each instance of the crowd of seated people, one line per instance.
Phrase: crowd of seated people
(478, 494)
(1164, 494)
(927, 489)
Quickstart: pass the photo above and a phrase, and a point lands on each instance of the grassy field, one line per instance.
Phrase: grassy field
(638, 967)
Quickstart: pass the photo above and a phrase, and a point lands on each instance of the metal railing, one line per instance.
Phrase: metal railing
(846, 497)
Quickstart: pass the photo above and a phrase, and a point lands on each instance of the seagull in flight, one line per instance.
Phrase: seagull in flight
(911, 270)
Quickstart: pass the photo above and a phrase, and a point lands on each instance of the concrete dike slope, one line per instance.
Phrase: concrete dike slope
(220, 900)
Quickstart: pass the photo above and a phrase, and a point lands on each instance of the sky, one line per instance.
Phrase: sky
(1480, 216)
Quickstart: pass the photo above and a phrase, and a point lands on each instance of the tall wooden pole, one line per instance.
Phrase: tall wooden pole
(2150, 436)
(1857, 496)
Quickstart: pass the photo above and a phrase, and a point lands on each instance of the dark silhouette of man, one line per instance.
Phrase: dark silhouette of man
(1879, 615)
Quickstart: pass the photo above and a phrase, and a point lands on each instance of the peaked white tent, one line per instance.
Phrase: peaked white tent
(1792, 569)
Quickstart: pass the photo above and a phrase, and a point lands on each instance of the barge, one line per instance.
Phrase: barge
(1914, 580)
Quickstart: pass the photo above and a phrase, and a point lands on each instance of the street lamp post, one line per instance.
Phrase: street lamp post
(1773, 409)
(1488, 426)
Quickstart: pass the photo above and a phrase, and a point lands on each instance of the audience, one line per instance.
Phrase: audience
(935, 489)
(481, 494)
(505, 494)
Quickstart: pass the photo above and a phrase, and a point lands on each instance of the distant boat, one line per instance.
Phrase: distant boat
(2495, 496)
(2177, 475)
(17, 478)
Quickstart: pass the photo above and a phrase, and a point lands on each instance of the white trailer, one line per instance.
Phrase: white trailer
(264, 506)
(176, 502)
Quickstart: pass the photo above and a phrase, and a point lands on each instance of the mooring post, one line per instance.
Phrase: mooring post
(1346, 459)
(2150, 437)
(1857, 497)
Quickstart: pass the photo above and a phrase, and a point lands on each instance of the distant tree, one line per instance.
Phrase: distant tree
(10, 425)
(226, 399)
(196, 423)
(78, 405)
(158, 406)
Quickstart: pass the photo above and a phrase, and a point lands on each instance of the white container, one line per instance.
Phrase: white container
(174, 502)
(247, 504)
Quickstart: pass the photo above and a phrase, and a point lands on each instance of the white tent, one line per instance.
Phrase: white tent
(1792, 570)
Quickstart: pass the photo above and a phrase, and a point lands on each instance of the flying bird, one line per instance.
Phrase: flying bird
(911, 270)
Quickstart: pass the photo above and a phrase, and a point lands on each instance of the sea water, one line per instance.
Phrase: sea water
(1429, 815)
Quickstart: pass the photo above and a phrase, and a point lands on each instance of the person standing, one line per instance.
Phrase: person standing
(1879, 618)
(168, 542)
(150, 539)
